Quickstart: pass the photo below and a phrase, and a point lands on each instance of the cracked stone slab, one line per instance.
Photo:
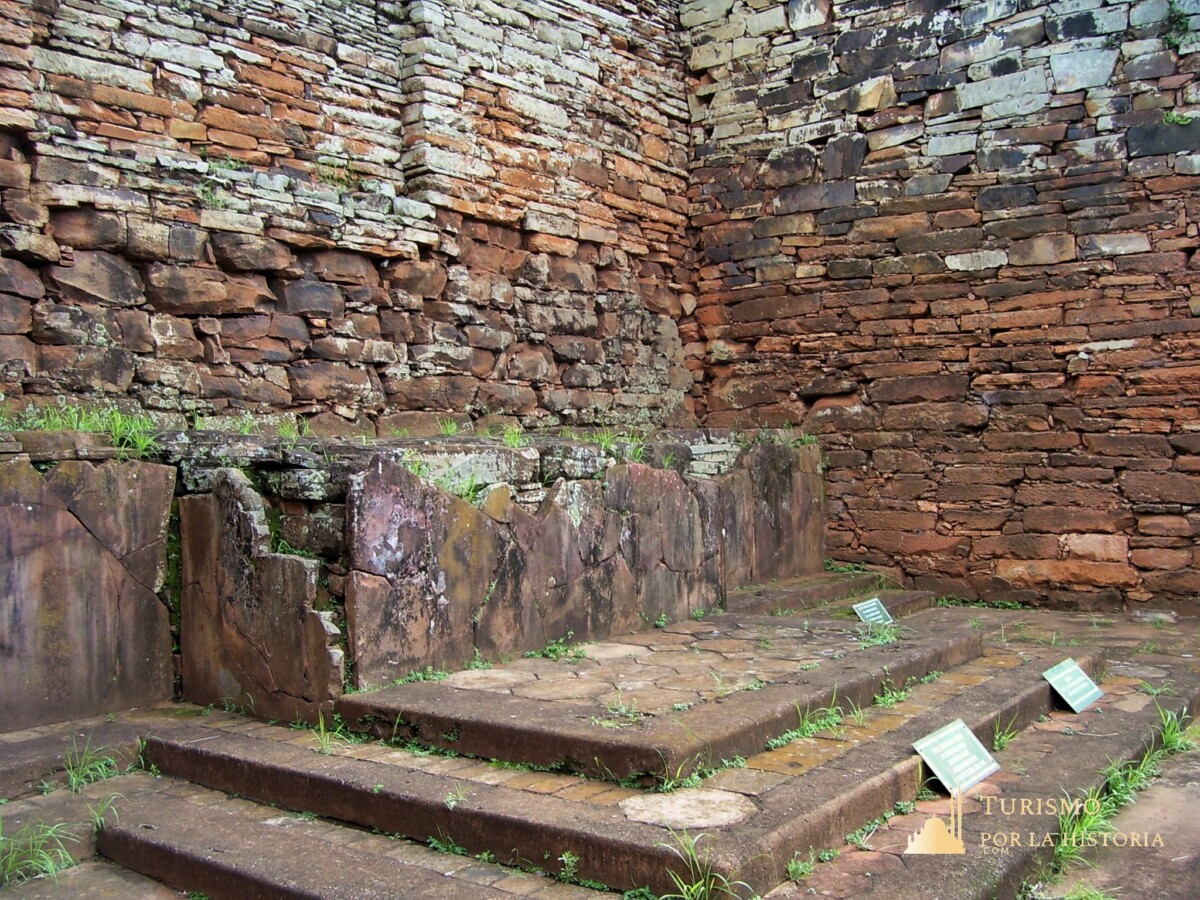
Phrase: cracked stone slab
(693, 808)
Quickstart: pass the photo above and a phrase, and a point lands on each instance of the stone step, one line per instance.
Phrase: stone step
(205, 843)
(808, 793)
(1007, 823)
(803, 592)
(73, 814)
(94, 879)
(32, 760)
(897, 602)
(662, 703)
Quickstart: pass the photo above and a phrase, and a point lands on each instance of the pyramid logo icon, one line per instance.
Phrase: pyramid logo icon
(938, 838)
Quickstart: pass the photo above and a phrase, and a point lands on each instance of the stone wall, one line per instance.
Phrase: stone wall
(361, 212)
(308, 564)
(960, 241)
(83, 550)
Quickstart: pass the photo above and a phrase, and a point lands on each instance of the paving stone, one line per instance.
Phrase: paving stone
(689, 809)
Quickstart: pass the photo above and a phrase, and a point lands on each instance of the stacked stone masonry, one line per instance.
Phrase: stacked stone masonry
(354, 211)
(959, 240)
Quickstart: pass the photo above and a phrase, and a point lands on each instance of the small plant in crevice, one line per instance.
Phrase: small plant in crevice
(890, 695)
(326, 739)
(429, 673)
(1160, 690)
(443, 843)
(832, 565)
(35, 850)
(812, 721)
(477, 662)
(800, 867)
(570, 866)
(700, 880)
(857, 715)
(560, 649)
(456, 795)
(415, 464)
(878, 634)
(1002, 736)
(514, 436)
(1178, 26)
(98, 812)
(1173, 733)
(87, 764)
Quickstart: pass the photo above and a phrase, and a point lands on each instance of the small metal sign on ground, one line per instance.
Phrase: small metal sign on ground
(874, 612)
(956, 756)
(1073, 685)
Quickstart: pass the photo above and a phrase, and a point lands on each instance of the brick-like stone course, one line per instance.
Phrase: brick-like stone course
(336, 210)
(960, 241)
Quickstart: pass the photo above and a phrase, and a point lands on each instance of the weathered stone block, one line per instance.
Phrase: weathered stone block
(1044, 250)
(249, 631)
(802, 14)
(1159, 139)
(99, 277)
(313, 299)
(89, 229)
(17, 278)
(82, 554)
(247, 252)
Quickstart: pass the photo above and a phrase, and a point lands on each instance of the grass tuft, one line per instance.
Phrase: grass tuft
(36, 850)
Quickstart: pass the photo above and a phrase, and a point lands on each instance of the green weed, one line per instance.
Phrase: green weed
(36, 850)
(1163, 689)
(700, 881)
(429, 673)
(132, 435)
(560, 649)
(877, 634)
(799, 868)
(1178, 28)
(87, 764)
(456, 795)
(514, 437)
(891, 695)
(832, 565)
(1001, 736)
(812, 721)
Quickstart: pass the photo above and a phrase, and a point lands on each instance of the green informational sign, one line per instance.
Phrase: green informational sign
(956, 757)
(1073, 685)
(873, 611)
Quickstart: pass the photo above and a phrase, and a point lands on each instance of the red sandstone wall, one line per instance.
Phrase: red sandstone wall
(960, 241)
(371, 214)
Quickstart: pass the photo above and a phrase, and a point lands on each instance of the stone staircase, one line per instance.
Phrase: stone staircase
(758, 737)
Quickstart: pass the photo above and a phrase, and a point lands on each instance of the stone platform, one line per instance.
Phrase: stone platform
(738, 766)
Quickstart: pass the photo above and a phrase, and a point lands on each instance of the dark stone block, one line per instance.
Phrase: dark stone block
(1006, 197)
(313, 298)
(790, 166)
(843, 156)
(1157, 140)
(811, 65)
(814, 196)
